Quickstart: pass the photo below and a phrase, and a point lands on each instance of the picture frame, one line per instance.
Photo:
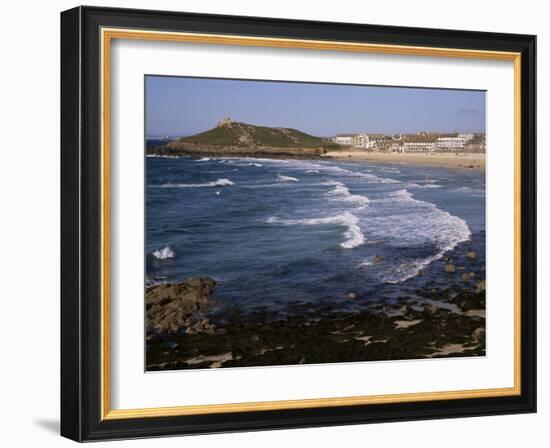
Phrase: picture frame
(87, 34)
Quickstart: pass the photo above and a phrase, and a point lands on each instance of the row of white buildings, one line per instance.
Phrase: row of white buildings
(423, 142)
(362, 140)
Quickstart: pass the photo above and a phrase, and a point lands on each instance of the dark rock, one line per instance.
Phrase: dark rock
(481, 285)
(328, 335)
(467, 300)
(377, 258)
(169, 307)
(450, 268)
(405, 310)
(431, 308)
(479, 334)
(201, 326)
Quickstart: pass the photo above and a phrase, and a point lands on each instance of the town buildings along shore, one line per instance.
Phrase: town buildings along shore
(419, 142)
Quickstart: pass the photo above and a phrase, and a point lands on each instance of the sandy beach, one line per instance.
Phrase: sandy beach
(443, 160)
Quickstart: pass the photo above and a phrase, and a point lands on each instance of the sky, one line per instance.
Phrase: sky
(178, 106)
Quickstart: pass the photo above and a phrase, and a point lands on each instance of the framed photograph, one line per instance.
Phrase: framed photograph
(273, 223)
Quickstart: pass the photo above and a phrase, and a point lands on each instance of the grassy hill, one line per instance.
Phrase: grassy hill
(242, 135)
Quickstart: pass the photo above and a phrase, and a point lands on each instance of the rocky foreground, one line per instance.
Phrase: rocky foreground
(181, 336)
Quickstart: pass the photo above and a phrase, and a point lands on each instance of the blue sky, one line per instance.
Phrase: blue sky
(186, 106)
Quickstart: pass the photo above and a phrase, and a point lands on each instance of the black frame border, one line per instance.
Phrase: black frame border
(81, 223)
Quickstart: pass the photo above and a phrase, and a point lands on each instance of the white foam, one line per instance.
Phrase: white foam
(282, 178)
(216, 183)
(258, 165)
(469, 190)
(426, 181)
(390, 170)
(326, 167)
(406, 222)
(164, 253)
(353, 234)
(342, 193)
(367, 262)
(371, 178)
(204, 159)
(162, 156)
(426, 185)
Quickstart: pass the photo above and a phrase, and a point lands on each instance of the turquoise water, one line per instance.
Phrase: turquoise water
(281, 234)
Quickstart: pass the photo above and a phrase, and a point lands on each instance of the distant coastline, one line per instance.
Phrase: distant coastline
(235, 139)
(460, 160)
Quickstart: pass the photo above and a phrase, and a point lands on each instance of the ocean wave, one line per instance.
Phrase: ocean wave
(470, 191)
(162, 156)
(342, 193)
(216, 183)
(426, 181)
(390, 170)
(375, 179)
(427, 185)
(371, 178)
(249, 164)
(325, 167)
(354, 235)
(408, 222)
(204, 159)
(282, 178)
(164, 253)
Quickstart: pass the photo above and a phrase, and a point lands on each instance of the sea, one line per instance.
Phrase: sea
(283, 236)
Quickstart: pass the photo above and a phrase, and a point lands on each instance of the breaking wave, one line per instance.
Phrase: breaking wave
(353, 234)
(282, 178)
(164, 253)
(426, 185)
(469, 190)
(216, 183)
(408, 222)
(342, 193)
(318, 167)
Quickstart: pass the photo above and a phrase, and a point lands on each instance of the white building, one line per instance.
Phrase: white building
(344, 139)
(466, 137)
(364, 141)
(419, 146)
(454, 143)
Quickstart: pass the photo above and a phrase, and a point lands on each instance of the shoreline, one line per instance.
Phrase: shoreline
(183, 330)
(459, 160)
(448, 325)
